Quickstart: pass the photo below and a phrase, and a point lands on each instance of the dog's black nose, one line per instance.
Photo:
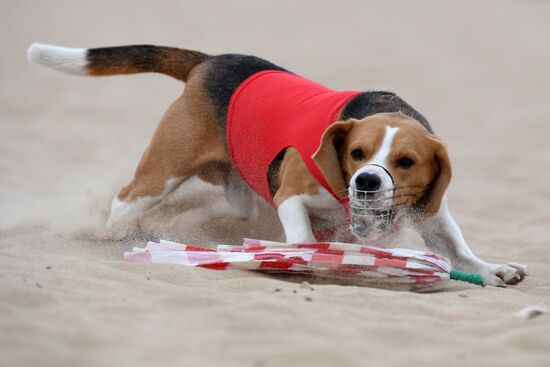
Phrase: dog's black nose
(368, 182)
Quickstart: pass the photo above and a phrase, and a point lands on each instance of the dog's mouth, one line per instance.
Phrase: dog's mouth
(372, 226)
(372, 213)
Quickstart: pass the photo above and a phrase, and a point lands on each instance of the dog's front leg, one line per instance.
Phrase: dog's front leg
(443, 236)
(294, 217)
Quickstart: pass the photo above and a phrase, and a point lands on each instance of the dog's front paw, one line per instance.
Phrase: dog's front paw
(502, 275)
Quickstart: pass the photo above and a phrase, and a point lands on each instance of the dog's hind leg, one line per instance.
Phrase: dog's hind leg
(239, 195)
(134, 200)
(186, 140)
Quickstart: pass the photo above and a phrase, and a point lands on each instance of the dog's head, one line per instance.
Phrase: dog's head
(389, 164)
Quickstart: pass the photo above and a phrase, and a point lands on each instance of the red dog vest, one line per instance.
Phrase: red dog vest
(273, 110)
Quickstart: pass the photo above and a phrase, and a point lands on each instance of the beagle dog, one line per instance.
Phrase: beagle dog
(249, 125)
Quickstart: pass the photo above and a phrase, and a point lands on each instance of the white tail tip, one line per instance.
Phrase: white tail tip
(67, 60)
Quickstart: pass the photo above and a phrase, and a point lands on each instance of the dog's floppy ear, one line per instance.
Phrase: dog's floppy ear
(328, 156)
(431, 201)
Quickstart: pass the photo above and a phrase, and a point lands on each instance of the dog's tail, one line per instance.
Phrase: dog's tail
(174, 62)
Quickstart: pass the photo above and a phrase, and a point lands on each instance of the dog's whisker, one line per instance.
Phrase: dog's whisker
(377, 209)
(380, 199)
(362, 207)
(390, 197)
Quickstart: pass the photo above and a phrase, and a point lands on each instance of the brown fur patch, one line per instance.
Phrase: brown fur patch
(187, 141)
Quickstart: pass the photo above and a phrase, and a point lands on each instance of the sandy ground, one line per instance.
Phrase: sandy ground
(477, 69)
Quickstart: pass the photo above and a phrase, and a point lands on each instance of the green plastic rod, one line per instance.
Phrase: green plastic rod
(473, 278)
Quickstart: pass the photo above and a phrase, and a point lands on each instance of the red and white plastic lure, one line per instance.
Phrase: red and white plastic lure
(395, 268)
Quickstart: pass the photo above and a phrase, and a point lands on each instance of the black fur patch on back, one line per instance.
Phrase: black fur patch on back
(225, 73)
(372, 102)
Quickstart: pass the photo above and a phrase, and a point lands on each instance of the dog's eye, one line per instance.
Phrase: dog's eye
(357, 155)
(405, 162)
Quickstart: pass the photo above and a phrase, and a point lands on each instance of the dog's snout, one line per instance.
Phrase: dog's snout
(368, 182)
